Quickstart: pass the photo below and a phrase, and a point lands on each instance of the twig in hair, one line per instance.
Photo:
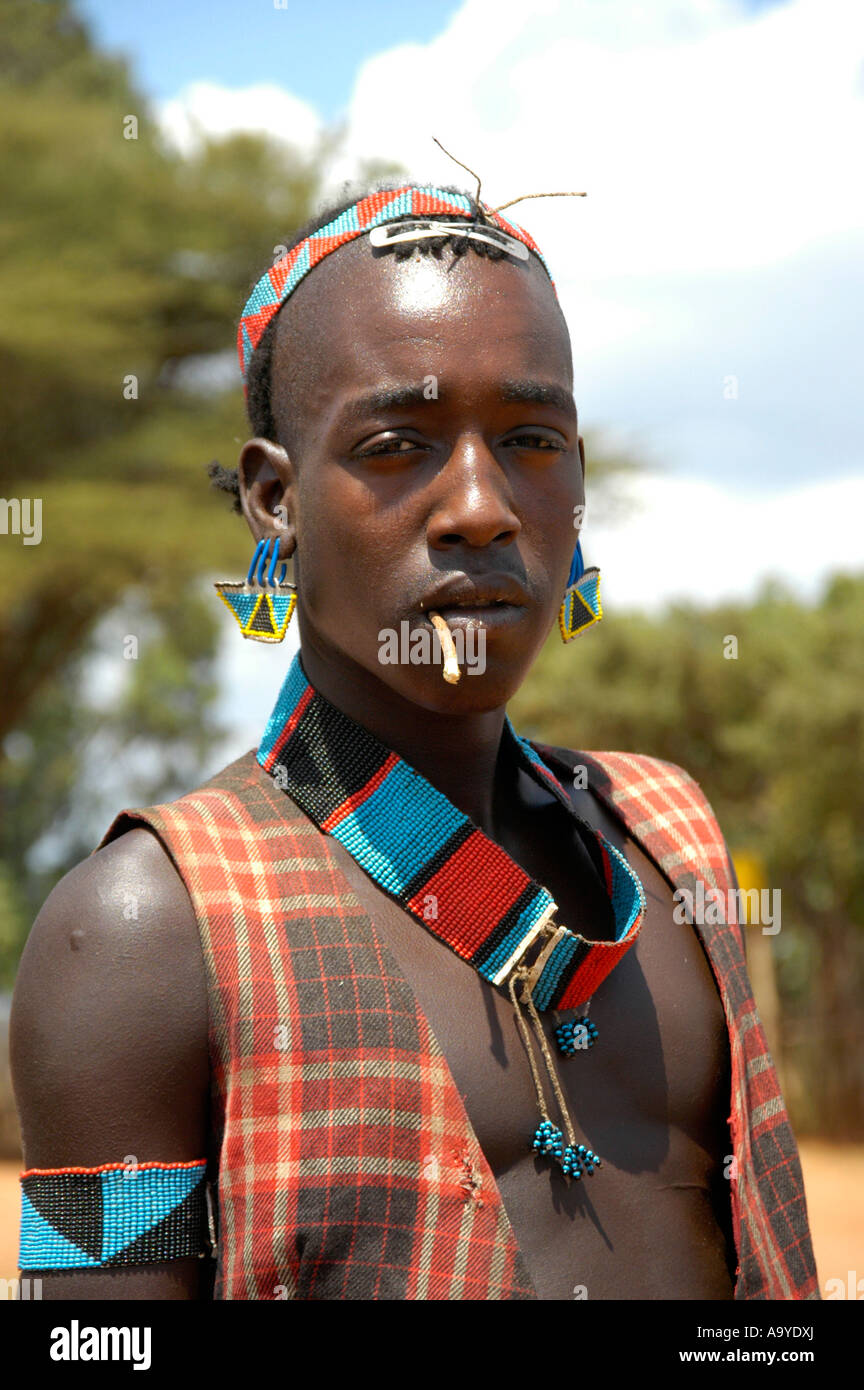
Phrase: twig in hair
(480, 209)
(501, 206)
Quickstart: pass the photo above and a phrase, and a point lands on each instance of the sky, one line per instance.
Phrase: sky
(312, 50)
(713, 279)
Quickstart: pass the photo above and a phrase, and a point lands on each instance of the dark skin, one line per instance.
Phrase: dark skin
(378, 501)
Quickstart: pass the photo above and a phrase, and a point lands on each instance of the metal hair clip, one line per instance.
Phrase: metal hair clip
(414, 229)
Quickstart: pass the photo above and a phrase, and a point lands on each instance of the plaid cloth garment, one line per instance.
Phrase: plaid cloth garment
(347, 1166)
(665, 811)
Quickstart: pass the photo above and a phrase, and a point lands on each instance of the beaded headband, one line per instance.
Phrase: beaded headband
(285, 275)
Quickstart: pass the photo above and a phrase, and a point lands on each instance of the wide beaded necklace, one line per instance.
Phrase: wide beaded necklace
(457, 883)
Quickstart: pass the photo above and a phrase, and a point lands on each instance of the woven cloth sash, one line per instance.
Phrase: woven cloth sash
(432, 859)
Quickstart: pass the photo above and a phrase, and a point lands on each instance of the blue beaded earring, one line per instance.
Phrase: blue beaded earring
(580, 607)
(262, 605)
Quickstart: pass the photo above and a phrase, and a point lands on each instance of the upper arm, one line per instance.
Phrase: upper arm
(108, 1038)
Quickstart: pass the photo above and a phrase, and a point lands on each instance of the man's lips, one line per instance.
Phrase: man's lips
(480, 601)
(489, 615)
(485, 593)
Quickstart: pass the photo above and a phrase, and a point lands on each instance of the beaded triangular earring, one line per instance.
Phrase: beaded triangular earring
(580, 607)
(262, 605)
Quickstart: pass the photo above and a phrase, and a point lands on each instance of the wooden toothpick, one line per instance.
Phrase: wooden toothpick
(451, 662)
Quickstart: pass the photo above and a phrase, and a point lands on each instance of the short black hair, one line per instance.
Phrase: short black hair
(259, 401)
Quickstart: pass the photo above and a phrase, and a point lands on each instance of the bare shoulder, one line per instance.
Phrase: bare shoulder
(110, 1011)
(108, 1036)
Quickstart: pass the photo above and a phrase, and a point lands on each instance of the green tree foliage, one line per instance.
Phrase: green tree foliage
(119, 259)
(130, 724)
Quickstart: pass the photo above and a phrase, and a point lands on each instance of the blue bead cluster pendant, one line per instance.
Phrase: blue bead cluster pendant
(577, 1035)
(548, 1139)
(575, 1159)
(579, 1160)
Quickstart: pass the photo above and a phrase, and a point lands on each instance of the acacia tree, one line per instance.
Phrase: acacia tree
(121, 261)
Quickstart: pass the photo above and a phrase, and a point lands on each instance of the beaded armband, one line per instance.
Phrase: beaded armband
(116, 1214)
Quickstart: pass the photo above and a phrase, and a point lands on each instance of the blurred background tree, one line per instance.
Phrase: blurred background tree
(124, 264)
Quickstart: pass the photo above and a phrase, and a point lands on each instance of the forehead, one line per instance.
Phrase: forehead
(360, 318)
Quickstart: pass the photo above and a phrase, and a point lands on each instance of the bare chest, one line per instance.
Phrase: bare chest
(651, 1097)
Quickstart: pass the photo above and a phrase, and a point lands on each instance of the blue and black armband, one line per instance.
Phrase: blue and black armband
(116, 1214)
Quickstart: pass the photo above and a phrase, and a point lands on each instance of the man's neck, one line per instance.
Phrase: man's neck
(458, 754)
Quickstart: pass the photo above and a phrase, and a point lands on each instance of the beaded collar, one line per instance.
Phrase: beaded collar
(437, 864)
(446, 873)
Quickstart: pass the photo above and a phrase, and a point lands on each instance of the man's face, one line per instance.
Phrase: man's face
(437, 460)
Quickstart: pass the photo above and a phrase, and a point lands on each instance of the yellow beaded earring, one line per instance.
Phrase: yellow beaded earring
(262, 605)
(581, 606)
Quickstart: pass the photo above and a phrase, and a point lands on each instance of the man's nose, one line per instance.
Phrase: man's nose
(473, 504)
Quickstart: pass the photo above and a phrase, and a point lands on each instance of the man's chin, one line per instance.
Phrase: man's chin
(459, 657)
(476, 691)
(491, 667)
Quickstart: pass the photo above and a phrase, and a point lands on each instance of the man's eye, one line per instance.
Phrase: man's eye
(537, 441)
(389, 446)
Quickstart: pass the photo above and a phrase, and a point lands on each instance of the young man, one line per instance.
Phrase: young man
(331, 971)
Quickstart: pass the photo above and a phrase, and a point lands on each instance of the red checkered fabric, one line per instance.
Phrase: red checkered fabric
(665, 811)
(347, 1165)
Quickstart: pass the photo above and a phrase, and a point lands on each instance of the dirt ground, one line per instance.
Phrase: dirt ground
(833, 1180)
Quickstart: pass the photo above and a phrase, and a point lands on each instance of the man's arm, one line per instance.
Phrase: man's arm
(108, 1040)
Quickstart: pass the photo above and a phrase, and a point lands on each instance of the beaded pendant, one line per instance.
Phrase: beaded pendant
(548, 1139)
(579, 1160)
(577, 1035)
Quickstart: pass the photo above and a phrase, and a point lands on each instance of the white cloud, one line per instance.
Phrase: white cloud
(704, 542)
(203, 109)
(706, 137)
(723, 232)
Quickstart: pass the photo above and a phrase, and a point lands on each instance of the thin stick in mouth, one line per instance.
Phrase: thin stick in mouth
(448, 646)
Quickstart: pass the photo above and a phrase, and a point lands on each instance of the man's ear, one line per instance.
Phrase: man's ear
(582, 455)
(267, 478)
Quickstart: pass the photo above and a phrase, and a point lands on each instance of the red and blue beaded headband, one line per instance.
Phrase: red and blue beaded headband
(285, 275)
